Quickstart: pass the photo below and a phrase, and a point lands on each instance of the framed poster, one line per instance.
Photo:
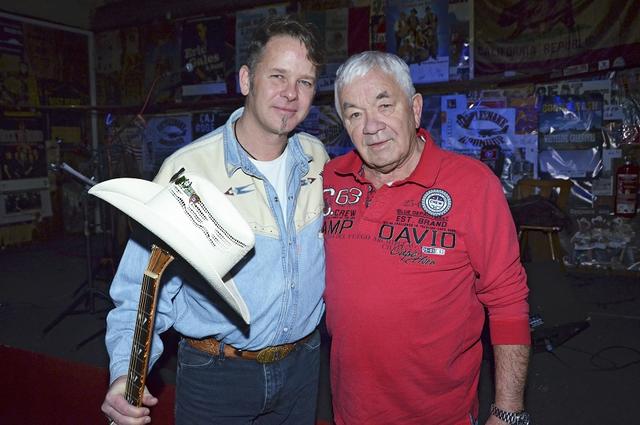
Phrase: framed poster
(418, 33)
(24, 200)
(164, 135)
(204, 57)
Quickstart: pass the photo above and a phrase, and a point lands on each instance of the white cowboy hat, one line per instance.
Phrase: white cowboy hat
(195, 219)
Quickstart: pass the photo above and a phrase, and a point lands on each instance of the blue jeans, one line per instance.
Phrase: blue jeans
(214, 390)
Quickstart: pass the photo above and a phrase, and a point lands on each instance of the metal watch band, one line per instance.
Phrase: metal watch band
(512, 418)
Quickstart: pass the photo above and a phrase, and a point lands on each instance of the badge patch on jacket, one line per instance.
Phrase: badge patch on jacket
(436, 202)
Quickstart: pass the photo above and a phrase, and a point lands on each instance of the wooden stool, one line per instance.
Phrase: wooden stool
(556, 190)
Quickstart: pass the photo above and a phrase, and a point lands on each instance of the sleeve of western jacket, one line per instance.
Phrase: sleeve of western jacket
(492, 244)
(125, 293)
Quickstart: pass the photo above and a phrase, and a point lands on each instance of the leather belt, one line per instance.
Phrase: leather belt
(266, 355)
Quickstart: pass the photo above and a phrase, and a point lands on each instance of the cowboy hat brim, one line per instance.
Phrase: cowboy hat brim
(131, 196)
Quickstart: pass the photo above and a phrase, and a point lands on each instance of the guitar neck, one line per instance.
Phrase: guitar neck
(141, 346)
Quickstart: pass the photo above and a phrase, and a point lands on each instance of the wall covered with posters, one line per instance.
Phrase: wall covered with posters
(40, 67)
(573, 113)
(192, 58)
(578, 123)
(166, 64)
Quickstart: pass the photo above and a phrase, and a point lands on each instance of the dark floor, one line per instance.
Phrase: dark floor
(592, 378)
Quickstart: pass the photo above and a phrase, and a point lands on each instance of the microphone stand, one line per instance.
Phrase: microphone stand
(88, 288)
(86, 293)
(90, 292)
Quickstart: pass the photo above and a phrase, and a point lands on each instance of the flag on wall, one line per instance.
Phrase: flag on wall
(344, 32)
(555, 34)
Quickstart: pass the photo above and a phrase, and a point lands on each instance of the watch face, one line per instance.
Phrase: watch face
(524, 419)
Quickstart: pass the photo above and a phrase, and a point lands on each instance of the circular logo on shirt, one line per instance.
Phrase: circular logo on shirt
(436, 202)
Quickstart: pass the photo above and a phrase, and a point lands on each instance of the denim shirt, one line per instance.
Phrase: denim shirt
(281, 279)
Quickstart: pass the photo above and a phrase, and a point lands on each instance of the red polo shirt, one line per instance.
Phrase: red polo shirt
(410, 269)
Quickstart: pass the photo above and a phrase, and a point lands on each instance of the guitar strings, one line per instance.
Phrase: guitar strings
(134, 391)
(146, 309)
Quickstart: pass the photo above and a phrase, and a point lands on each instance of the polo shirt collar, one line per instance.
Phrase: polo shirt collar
(425, 173)
(428, 167)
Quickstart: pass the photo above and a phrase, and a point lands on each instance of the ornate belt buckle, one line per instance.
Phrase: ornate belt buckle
(272, 354)
(267, 355)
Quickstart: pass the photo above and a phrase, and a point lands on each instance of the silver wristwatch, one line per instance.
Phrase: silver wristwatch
(512, 418)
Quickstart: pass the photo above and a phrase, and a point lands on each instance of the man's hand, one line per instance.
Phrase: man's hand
(116, 408)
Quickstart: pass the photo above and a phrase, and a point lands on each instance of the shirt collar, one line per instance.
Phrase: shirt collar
(430, 162)
(236, 157)
(424, 174)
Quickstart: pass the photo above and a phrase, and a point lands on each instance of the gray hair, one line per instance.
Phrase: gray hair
(358, 65)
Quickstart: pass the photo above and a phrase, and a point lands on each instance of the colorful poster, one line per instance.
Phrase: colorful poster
(570, 122)
(24, 200)
(343, 32)
(612, 110)
(469, 129)
(24, 194)
(22, 153)
(489, 134)
(204, 57)
(163, 136)
(22, 161)
(202, 123)
(18, 86)
(521, 99)
(418, 32)
(31, 54)
(569, 35)
(570, 135)
(526, 114)
(19, 206)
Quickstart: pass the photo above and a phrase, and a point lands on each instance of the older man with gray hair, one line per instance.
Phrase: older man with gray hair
(419, 243)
